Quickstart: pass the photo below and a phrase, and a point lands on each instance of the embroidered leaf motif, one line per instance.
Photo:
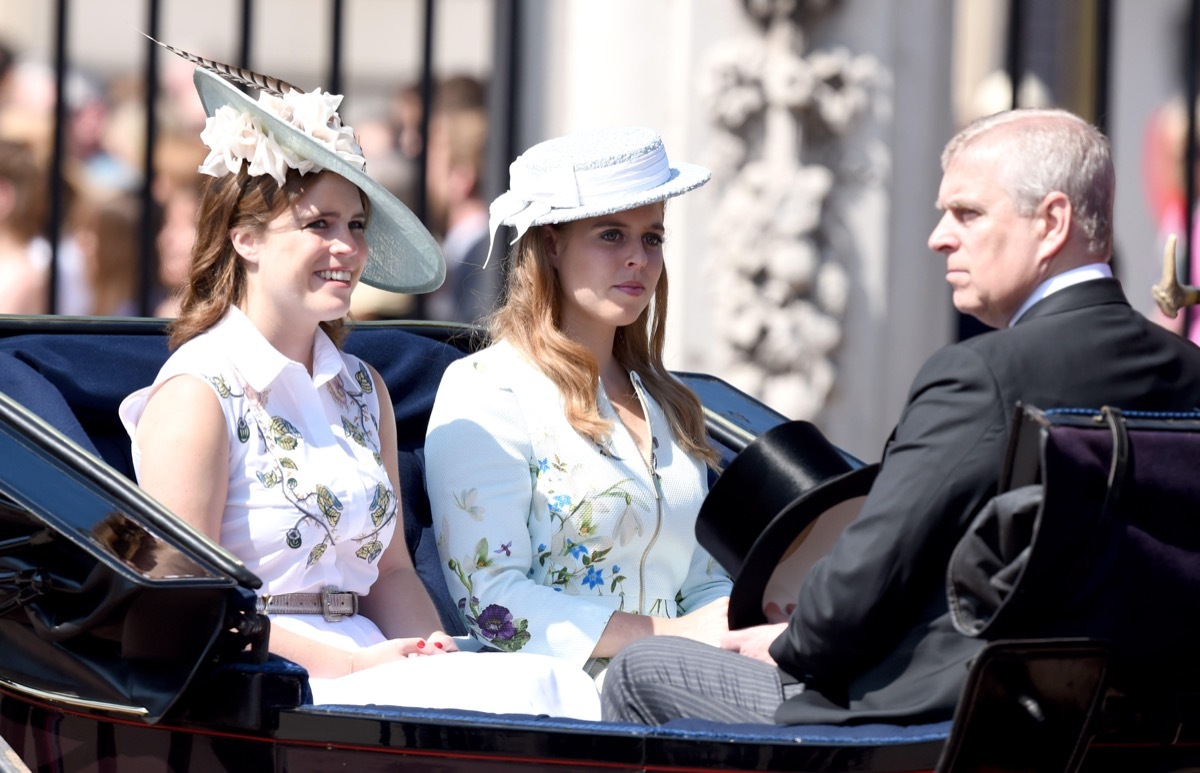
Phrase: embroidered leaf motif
(243, 429)
(378, 458)
(222, 388)
(381, 504)
(286, 434)
(287, 462)
(465, 501)
(353, 432)
(370, 551)
(364, 380)
(331, 506)
(269, 479)
(315, 554)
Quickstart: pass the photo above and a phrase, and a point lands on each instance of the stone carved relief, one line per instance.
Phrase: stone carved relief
(782, 118)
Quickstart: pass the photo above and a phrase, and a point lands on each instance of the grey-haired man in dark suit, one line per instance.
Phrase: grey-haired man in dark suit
(1026, 233)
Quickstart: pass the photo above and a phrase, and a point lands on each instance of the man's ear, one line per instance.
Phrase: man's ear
(1054, 221)
(245, 243)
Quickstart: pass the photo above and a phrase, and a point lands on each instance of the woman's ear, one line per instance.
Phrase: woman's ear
(550, 242)
(245, 243)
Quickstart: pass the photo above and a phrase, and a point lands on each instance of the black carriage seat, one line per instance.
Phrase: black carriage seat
(1084, 576)
(75, 382)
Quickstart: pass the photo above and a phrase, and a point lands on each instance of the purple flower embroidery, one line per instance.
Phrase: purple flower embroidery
(506, 548)
(496, 622)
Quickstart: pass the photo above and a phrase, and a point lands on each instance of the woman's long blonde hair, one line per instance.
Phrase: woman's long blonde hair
(530, 319)
(217, 277)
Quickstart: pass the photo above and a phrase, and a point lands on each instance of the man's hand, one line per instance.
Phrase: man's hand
(753, 642)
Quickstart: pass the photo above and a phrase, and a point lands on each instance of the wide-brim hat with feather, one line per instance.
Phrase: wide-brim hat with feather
(288, 128)
(589, 174)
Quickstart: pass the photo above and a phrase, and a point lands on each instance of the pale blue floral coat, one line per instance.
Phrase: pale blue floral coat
(542, 533)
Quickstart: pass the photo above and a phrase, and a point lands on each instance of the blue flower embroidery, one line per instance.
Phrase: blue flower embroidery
(560, 504)
(616, 569)
(594, 577)
(577, 551)
(543, 465)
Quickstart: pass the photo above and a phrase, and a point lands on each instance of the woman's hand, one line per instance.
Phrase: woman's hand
(440, 642)
(437, 643)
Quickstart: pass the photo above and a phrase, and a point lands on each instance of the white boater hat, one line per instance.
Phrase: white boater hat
(588, 174)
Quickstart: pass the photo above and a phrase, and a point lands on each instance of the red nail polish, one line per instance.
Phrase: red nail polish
(438, 644)
(421, 644)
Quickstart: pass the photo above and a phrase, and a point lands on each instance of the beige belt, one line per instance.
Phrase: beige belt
(330, 603)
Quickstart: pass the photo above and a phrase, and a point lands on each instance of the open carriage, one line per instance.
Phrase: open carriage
(129, 641)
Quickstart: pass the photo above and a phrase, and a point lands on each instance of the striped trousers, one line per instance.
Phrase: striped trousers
(660, 678)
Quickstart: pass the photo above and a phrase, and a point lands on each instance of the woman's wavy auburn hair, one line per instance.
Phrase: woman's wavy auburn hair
(217, 278)
(530, 319)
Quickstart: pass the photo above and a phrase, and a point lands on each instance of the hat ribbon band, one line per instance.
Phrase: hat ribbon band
(535, 195)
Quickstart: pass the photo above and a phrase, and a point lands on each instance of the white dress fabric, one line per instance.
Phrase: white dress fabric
(544, 534)
(310, 505)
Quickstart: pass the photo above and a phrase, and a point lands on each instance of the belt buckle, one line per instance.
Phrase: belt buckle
(327, 612)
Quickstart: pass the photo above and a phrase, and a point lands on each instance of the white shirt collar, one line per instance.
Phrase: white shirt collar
(260, 363)
(1061, 281)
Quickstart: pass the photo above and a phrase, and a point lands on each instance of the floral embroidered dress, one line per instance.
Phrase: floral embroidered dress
(310, 505)
(543, 534)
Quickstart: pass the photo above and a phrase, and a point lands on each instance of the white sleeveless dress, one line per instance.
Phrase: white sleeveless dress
(310, 505)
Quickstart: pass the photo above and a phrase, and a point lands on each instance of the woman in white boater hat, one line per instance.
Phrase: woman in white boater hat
(565, 465)
(265, 436)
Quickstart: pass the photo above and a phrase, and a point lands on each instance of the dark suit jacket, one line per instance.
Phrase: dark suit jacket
(872, 634)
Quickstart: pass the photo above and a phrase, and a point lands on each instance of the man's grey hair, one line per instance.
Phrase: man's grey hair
(1047, 150)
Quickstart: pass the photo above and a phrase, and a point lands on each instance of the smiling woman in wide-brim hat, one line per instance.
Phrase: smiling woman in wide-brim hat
(402, 255)
(264, 435)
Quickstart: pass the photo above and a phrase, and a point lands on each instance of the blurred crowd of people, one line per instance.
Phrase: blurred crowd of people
(98, 249)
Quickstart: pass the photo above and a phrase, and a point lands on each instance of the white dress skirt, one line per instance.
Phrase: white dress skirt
(498, 682)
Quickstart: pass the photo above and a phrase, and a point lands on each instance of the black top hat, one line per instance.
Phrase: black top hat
(777, 507)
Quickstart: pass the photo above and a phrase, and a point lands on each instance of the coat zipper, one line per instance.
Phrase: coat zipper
(651, 469)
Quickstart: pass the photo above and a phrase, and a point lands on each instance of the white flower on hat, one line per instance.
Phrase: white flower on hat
(233, 137)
